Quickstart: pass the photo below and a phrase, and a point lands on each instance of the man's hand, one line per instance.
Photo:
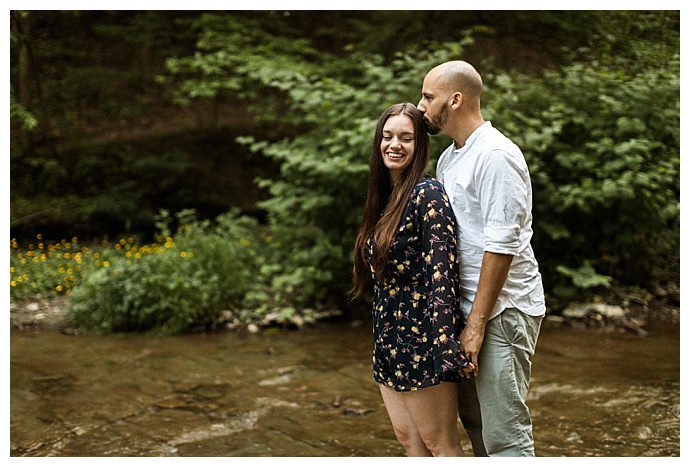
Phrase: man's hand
(471, 339)
(492, 276)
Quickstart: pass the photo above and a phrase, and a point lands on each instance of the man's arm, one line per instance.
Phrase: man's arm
(492, 277)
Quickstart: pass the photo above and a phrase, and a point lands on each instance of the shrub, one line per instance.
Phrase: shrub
(603, 146)
(207, 268)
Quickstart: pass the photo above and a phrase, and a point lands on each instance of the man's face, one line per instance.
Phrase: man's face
(433, 105)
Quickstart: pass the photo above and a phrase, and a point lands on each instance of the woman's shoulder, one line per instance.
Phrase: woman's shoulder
(429, 186)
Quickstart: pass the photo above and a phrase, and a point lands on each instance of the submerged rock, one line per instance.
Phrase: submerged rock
(603, 316)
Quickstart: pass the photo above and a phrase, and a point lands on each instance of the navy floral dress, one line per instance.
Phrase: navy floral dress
(416, 314)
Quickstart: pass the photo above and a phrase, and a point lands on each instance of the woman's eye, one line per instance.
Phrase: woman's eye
(387, 138)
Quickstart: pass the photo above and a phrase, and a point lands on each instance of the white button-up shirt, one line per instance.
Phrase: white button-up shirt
(489, 188)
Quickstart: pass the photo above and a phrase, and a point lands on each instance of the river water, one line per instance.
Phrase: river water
(310, 393)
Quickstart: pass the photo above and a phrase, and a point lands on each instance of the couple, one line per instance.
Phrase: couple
(458, 298)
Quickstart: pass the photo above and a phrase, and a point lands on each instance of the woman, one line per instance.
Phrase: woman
(407, 243)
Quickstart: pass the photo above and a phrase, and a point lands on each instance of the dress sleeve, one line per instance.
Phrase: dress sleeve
(441, 275)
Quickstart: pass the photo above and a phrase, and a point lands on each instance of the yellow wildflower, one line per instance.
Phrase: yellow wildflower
(13, 283)
(106, 264)
(11, 269)
(183, 254)
(58, 288)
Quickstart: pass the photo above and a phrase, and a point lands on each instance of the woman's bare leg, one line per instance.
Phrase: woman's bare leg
(434, 413)
(403, 425)
(425, 421)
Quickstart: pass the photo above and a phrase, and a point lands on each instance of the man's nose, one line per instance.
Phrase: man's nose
(421, 107)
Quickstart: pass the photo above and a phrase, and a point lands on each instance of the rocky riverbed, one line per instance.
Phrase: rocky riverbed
(618, 311)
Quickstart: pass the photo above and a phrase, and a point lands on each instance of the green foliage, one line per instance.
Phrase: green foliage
(206, 269)
(21, 116)
(315, 205)
(585, 276)
(601, 137)
(603, 145)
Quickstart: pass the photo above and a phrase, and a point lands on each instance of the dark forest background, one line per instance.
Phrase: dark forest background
(265, 118)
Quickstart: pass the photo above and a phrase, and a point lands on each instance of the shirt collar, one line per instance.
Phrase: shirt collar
(475, 134)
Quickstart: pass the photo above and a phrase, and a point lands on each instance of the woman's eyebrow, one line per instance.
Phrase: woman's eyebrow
(404, 133)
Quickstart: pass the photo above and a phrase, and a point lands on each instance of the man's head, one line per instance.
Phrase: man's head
(450, 90)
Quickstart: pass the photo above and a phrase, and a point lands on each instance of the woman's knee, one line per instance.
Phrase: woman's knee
(410, 440)
(440, 441)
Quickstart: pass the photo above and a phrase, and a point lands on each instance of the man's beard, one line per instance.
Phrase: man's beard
(438, 121)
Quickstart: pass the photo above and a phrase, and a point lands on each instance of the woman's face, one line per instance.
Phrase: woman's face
(397, 145)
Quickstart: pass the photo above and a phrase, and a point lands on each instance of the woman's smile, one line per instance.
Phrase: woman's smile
(397, 144)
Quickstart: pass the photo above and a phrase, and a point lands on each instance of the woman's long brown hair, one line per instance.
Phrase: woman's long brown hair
(385, 202)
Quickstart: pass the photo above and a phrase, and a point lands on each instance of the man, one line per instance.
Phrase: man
(486, 178)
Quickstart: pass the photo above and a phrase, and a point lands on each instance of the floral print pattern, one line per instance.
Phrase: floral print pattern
(416, 314)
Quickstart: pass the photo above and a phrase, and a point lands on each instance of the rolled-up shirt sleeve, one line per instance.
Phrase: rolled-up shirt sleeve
(503, 196)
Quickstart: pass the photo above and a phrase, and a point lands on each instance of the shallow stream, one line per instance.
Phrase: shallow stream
(310, 393)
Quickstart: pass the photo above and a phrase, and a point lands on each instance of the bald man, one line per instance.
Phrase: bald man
(486, 178)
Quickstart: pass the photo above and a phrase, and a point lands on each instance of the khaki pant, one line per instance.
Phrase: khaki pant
(493, 408)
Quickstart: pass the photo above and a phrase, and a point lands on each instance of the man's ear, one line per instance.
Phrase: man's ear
(456, 100)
